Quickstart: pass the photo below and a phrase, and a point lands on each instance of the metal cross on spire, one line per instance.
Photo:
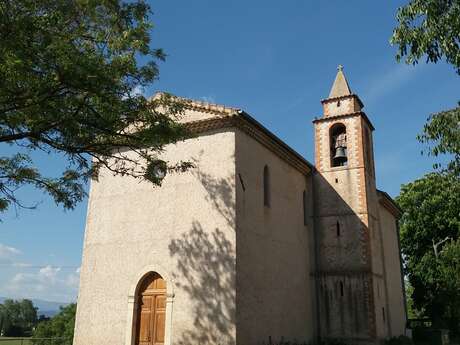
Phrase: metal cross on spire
(340, 68)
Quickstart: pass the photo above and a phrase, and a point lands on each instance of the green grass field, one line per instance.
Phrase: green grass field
(14, 341)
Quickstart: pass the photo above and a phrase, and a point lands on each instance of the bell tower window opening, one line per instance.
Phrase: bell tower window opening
(338, 135)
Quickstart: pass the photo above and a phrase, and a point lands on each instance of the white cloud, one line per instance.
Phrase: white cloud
(73, 279)
(7, 254)
(45, 276)
(52, 283)
(48, 283)
(6, 251)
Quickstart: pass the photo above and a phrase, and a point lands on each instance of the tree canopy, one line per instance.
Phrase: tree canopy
(69, 81)
(430, 29)
(17, 318)
(59, 326)
(430, 219)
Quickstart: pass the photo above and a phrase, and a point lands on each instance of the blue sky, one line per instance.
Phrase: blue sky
(274, 59)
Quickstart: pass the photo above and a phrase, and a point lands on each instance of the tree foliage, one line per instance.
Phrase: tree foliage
(431, 29)
(442, 132)
(69, 81)
(60, 326)
(412, 312)
(17, 318)
(431, 214)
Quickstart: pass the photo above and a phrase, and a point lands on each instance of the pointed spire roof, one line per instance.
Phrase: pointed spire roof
(340, 87)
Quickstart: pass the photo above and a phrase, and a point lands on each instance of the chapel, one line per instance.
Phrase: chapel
(253, 243)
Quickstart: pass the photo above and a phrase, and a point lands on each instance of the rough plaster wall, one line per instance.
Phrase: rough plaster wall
(344, 316)
(345, 106)
(344, 252)
(341, 257)
(379, 287)
(393, 272)
(341, 197)
(383, 329)
(274, 288)
(186, 228)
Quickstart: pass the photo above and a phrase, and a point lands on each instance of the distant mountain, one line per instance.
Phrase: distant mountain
(46, 308)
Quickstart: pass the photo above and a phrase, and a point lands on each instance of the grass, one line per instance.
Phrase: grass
(14, 341)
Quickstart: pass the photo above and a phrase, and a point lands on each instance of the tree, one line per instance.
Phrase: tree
(430, 215)
(412, 312)
(60, 326)
(69, 76)
(4, 321)
(17, 318)
(449, 271)
(431, 29)
(28, 314)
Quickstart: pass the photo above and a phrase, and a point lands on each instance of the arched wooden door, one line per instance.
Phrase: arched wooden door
(151, 311)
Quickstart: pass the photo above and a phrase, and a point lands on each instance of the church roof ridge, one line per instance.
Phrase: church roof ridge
(204, 106)
(211, 107)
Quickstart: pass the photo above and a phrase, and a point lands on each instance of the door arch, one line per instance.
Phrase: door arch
(151, 311)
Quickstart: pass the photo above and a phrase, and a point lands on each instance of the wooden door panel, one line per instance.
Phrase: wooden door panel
(160, 284)
(146, 303)
(160, 302)
(144, 328)
(159, 328)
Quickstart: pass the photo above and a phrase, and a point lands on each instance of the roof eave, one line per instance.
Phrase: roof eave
(387, 201)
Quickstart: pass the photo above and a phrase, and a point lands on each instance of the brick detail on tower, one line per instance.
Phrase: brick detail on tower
(347, 230)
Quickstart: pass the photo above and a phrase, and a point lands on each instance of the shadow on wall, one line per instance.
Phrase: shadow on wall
(220, 193)
(346, 247)
(206, 266)
(205, 259)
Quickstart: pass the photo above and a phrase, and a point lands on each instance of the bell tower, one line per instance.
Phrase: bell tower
(350, 283)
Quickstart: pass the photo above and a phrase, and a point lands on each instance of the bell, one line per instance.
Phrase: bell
(340, 153)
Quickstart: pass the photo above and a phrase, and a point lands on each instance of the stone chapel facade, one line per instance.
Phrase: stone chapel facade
(254, 242)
